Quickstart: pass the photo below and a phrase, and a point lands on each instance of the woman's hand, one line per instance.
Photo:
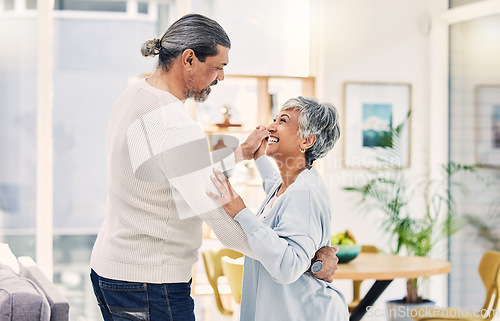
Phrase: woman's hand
(229, 199)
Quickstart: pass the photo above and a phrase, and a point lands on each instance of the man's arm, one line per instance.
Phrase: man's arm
(227, 230)
(225, 158)
(180, 155)
(251, 145)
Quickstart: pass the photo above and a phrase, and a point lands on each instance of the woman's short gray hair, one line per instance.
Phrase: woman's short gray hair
(320, 119)
(193, 31)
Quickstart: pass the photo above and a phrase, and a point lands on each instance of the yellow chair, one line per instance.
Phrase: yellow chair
(356, 285)
(233, 270)
(489, 270)
(213, 268)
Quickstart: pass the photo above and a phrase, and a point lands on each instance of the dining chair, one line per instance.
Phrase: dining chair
(489, 270)
(356, 285)
(213, 268)
(233, 270)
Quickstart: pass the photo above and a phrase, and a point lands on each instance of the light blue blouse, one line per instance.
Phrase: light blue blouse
(275, 287)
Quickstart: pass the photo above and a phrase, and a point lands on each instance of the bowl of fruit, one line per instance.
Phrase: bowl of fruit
(348, 249)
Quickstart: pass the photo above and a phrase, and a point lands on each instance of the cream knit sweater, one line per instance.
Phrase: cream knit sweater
(158, 169)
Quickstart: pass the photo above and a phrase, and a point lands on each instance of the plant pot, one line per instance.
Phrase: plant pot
(399, 310)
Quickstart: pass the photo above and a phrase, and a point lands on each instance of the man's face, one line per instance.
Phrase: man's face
(206, 74)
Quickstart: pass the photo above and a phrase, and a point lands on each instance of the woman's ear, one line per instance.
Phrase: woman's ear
(187, 58)
(308, 142)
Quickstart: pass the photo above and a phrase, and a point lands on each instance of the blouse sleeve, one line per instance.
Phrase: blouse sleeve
(286, 250)
(270, 175)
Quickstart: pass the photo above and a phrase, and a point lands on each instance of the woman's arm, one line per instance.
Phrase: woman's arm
(269, 174)
(286, 250)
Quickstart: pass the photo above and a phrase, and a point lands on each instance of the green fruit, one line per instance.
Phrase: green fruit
(347, 241)
(342, 238)
(335, 240)
(340, 235)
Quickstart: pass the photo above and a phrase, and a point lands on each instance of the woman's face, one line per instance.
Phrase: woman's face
(283, 141)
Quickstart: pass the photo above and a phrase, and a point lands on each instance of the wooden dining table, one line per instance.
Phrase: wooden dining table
(384, 268)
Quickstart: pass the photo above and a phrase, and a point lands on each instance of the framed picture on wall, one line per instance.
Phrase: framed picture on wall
(488, 125)
(371, 113)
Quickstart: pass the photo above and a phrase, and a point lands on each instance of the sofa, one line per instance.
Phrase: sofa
(26, 294)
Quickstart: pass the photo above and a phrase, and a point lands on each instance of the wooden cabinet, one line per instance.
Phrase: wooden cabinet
(253, 100)
(265, 92)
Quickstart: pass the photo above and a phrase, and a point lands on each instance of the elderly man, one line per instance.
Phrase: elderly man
(159, 166)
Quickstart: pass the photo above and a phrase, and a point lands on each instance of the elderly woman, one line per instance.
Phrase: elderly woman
(292, 223)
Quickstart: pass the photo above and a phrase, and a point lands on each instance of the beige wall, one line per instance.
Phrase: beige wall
(389, 46)
(372, 41)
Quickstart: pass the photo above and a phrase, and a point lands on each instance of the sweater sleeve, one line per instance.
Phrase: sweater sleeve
(286, 250)
(228, 231)
(223, 159)
(181, 156)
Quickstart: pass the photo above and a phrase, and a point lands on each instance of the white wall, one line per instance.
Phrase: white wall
(372, 41)
(389, 46)
(267, 37)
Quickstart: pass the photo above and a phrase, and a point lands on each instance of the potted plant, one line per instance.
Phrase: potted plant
(419, 211)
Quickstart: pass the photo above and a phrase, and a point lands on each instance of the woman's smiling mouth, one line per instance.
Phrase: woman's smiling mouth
(272, 140)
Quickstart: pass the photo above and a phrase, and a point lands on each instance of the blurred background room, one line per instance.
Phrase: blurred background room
(64, 63)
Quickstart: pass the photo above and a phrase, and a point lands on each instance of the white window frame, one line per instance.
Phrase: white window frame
(132, 11)
(44, 161)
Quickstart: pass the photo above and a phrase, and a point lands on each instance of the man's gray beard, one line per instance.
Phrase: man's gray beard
(199, 96)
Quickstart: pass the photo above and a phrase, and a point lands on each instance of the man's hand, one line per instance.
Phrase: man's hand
(253, 142)
(328, 255)
(261, 150)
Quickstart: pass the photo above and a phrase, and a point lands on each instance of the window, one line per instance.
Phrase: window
(18, 106)
(458, 3)
(91, 5)
(474, 106)
(8, 5)
(31, 4)
(142, 7)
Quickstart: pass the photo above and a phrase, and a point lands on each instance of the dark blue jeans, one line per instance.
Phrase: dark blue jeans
(121, 300)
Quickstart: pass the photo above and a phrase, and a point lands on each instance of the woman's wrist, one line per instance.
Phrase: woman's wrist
(236, 212)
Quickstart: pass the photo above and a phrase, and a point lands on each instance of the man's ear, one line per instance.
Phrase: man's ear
(187, 58)
(308, 142)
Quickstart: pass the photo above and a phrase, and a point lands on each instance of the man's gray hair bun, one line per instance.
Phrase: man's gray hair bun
(151, 47)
